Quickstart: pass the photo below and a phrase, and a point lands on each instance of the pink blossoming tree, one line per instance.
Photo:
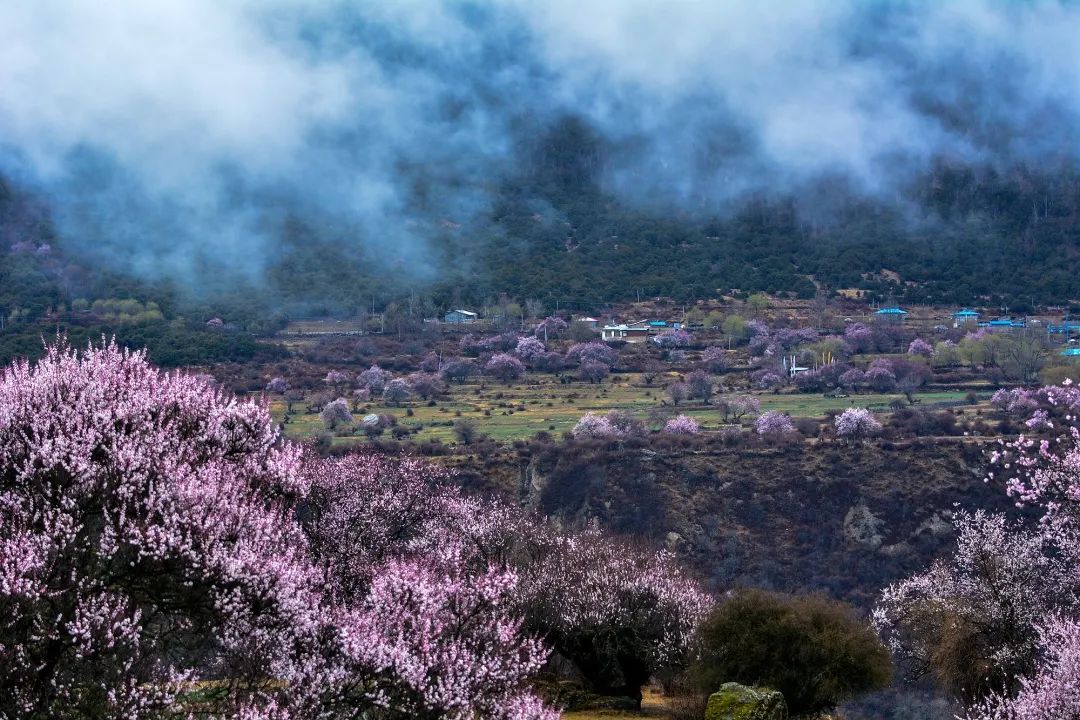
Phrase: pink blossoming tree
(774, 424)
(143, 544)
(856, 424)
(148, 541)
(504, 367)
(682, 425)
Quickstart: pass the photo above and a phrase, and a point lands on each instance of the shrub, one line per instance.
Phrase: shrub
(459, 370)
(814, 650)
(700, 385)
(466, 431)
(677, 392)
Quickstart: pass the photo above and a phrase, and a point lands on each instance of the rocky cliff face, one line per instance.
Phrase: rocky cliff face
(842, 519)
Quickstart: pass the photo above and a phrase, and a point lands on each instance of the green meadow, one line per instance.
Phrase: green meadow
(520, 410)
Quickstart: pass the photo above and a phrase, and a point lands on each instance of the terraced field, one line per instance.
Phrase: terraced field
(513, 412)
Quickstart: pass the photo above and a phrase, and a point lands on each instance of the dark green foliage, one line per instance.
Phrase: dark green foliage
(815, 651)
(556, 233)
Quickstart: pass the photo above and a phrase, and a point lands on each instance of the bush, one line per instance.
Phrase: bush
(466, 431)
(814, 650)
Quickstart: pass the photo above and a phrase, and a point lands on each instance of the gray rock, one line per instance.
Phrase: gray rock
(739, 702)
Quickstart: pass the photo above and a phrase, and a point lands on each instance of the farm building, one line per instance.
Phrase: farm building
(460, 317)
(590, 322)
(965, 316)
(632, 332)
(1003, 323)
(891, 314)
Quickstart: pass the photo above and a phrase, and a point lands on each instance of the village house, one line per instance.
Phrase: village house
(1003, 323)
(460, 317)
(964, 316)
(589, 322)
(638, 331)
(891, 314)
(632, 333)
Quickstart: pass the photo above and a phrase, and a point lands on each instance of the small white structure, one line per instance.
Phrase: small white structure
(633, 333)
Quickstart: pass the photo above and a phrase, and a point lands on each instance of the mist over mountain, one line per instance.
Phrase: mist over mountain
(693, 145)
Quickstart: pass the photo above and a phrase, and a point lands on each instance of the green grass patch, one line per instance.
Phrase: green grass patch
(519, 411)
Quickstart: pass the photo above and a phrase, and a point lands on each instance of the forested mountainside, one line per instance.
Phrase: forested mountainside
(959, 234)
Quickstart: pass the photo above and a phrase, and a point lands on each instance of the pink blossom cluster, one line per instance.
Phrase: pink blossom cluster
(673, 339)
(1003, 581)
(550, 327)
(596, 426)
(763, 342)
(1053, 692)
(336, 413)
(1042, 407)
(504, 367)
(715, 358)
(766, 379)
(373, 380)
(682, 425)
(570, 588)
(856, 424)
(773, 424)
(529, 347)
(592, 352)
(859, 337)
(142, 540)
(397, 391)
(921, 347)
(277, 385)
(337, 377)
(1015, 589)
(157, 537)
(149, 542)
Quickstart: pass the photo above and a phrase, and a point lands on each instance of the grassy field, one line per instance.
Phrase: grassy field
(519, 411)
(653, 705)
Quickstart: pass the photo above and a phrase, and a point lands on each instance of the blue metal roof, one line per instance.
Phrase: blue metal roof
(1004, 322)
(891, 311)
(965, 313)
(1071, 352)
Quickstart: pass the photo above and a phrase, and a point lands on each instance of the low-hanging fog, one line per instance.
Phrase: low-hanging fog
(169, 136)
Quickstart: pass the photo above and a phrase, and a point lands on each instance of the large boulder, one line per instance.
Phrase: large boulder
(739, 702)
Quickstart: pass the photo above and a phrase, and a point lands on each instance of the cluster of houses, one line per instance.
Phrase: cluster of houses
(967, 316)
(964, 316)
(631, 332)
